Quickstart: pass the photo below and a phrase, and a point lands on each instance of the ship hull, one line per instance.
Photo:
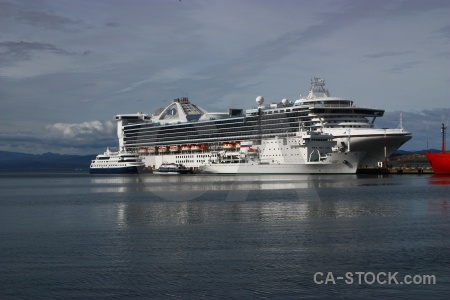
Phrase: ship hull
(340, 163)
(121, 170)
(440, 162)
(372, 142)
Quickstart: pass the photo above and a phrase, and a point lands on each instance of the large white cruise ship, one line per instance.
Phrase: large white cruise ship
(184, 133)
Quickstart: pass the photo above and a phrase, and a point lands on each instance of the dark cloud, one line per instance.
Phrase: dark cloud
(398, 68)
(444, 31)
(36, 18)
(17, 51)
(445, 54)
(112, 24)
(258, 58)
(406, 7)
(387, 54)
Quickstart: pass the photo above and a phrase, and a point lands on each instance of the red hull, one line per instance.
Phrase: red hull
(440, 162)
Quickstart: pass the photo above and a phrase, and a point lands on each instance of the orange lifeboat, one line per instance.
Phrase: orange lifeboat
(151, 150)
(204, 147)
(195, 148)
(185, 148)
(174, 148)
(238, 145)
(228, 146)
(162, 149)
(252, 151)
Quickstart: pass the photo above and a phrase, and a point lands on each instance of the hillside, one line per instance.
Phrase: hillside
(15, 160)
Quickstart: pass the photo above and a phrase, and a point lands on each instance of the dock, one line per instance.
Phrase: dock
(397, 170)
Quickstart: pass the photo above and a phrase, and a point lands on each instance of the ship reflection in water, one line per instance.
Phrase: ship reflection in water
(440, 179)
(200, 199)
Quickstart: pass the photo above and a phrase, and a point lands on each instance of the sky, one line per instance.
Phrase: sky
(68, 67)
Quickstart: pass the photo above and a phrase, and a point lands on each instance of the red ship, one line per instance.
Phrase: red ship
(440, 162)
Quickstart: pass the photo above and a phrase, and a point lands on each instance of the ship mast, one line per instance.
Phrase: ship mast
(443, 137)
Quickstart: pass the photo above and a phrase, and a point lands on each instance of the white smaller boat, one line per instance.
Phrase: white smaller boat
(172, 168)
(121, 162)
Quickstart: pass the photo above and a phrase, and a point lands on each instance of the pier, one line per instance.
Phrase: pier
(396, 170)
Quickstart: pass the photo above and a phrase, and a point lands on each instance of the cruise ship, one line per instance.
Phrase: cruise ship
(184, 133)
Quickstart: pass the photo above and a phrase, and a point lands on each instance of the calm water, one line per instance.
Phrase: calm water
(76, 236)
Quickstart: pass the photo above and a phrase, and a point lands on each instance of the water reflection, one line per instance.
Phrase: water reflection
(180, 213)
(440, 180)
(197, 199)
(216, 183)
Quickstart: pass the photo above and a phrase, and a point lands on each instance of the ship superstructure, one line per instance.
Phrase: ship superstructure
(306, 153)
(185, 133)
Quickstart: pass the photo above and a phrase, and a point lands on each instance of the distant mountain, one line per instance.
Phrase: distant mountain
(16, 160)
(403, 152)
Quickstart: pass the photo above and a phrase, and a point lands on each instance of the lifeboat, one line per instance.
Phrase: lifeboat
(142, 151)
(238, 145)
(252, 151)
(185, 148)
(204, 147)
(174, 148)
(151, 150)
(195, 148)
(228, 146)
(162, 149)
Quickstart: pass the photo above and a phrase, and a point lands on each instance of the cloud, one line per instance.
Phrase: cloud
(112, 24)
(388, 53)
(444, 31)
(36, 18)
(19, 51)
(398, 68)
(82, 132)
(445, 54)
(88, 137)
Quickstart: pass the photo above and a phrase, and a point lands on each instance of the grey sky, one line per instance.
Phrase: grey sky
(67, 67)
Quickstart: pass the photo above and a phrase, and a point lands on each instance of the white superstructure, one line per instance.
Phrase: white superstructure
(306, 153)
(345, 121)
(120, 162)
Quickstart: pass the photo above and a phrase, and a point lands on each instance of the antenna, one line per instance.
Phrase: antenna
(401, 121)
